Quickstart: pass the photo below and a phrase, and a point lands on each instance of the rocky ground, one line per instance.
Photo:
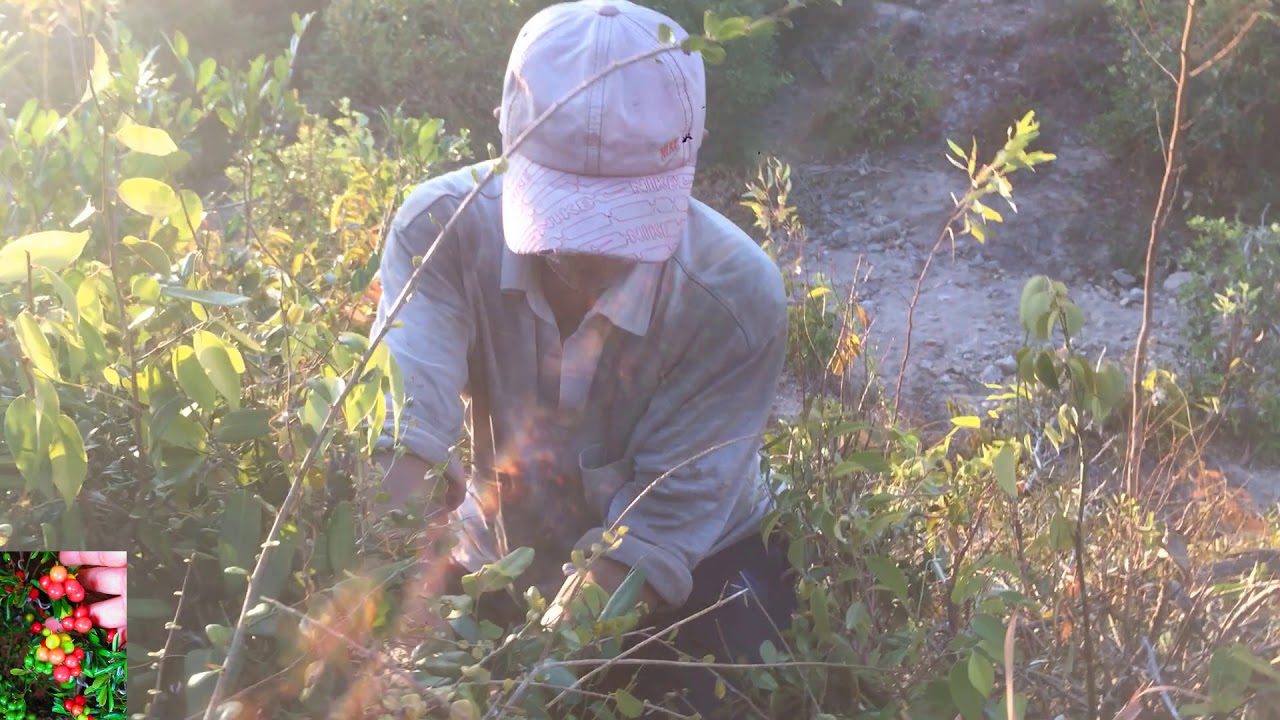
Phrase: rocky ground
(873, 216)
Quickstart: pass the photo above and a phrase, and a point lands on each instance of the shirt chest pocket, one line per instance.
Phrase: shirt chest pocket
(602, 479)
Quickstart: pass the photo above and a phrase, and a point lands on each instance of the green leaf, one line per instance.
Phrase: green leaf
(28, 435)
(1005, 470)
(820, 611)
(665, 34)
(889, 575)
(65, 294)
(1045, 370)
(624, 599)
(868, 461)
(189, 216)
(340, 538)
(515, 563)
(35, 346)
(219, 635)
(193, 379)
(148, 140)
(204, 297)
(971, 422)
(216, 358)
(68, 461)
(629, 705)
(1074, 318)
(100, 76)
(278, 570)
(243, 425)
(982, 675)
(52, 249)
(240, 533)
(150, 197)
(713, 54)
(967, 699)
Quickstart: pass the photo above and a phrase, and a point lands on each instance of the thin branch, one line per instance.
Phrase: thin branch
(1133, 461)
(173, 628)
(1226, 49)
(1154, 668)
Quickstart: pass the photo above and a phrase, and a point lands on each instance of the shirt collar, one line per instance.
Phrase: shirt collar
(628, 304)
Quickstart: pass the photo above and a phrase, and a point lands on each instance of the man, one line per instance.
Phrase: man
(619, 343)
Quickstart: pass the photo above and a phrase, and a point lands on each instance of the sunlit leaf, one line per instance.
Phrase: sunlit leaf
(204, 297)
(148, 140)
(52, 249)
(1004, 466)
(149, 196)
(215, 357)
(35, 346)
(68, 462)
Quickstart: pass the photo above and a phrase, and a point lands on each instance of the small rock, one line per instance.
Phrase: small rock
(884, 233)
(1124, 278)
(840, 239)
(991, 375)
(1133, 297)
(1174, 282)
(1007, 364)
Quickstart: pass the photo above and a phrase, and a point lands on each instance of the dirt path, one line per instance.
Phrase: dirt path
(880, 212)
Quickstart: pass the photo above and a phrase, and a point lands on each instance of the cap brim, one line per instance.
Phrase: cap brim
(636, 218)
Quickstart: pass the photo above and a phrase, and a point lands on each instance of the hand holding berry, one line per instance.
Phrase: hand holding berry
(106, 576)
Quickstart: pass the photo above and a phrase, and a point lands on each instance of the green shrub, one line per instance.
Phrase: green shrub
(1232, 323)
(446, 58)
(1231, 108)
(438, 58)
(884, 99)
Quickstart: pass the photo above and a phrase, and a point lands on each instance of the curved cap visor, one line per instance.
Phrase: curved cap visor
(635, 218)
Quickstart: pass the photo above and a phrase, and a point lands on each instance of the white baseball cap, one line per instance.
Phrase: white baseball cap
(610, 172)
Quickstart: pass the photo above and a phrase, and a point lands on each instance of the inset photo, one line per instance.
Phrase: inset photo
(62, 634)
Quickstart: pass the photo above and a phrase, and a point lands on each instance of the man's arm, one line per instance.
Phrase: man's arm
(703, 449)
(430, 344)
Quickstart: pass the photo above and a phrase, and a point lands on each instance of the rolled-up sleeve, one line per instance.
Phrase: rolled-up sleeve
(431, 336)
(703, 455)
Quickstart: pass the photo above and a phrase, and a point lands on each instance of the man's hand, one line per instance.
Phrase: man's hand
(410, 479)
(608, 574)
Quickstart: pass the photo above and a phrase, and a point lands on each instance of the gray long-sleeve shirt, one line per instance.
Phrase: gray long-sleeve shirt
(673, 372)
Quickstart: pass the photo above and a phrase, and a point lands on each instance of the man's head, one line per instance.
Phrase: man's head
(609, 173)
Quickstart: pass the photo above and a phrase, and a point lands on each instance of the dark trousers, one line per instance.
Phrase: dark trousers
(732, 632)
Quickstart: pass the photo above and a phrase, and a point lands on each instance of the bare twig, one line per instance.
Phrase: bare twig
(1137, 423)
(1154, 667)
(173, 627)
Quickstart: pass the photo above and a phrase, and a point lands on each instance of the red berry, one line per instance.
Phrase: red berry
(57, 573)
(33, 594)
(111, 634)
(82, 611)
(71, 661)
(83, 625)
(75, 672)
(21, 575)
(81, 700)
(36, 628)
(76, 710)
(79, 653)
(61, 674)
(66, 704)
(56, 591)
(45, 582)
(8, 588)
